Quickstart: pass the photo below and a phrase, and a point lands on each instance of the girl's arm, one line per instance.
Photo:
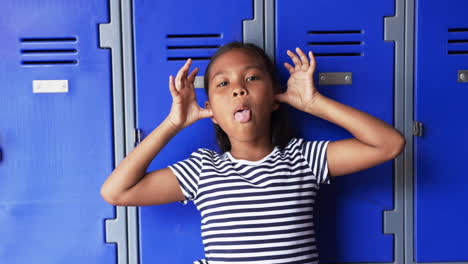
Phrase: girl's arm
(375, 141)
(129, 184)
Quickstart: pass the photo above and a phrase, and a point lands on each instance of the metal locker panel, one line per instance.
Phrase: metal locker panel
(346, 36)
(56, 138)
(166, 34)
(440, 192)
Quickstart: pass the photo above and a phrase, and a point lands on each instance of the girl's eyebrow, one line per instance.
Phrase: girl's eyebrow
(259, 67)
(248, 67)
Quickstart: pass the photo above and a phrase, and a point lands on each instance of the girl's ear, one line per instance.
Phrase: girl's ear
(208, 106)
(276, 105)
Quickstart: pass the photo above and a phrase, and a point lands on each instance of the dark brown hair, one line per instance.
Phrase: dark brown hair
(280, 134)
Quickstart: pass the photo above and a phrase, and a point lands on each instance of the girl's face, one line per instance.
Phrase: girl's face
(241, 96)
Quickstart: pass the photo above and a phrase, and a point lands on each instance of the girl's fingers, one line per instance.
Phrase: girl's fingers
(178, 83)
(289, 67)
(185, 80)
(186, 69)
(181, 74)
(295, 59)
(193, 74)
(172, 87)
(304, 60)
(312, 61)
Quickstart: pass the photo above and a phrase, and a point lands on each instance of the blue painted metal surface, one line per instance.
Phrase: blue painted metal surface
(441, 196)
(163, 31)
(346, 36)
(57, 148)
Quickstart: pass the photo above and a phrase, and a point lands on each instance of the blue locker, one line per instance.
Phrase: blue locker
(346, 36)
(166, 34)
(440, 192)
(56, 147)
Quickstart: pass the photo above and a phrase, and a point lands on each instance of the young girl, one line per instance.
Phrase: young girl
(256, 199)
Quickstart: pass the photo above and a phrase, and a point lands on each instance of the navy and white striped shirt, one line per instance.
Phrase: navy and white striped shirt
(256, 211)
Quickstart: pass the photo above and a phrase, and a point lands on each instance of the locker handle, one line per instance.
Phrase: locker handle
(335, 78)
(463, 76)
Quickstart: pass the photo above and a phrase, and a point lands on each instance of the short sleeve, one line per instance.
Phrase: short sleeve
(188, 173)
(315, 153)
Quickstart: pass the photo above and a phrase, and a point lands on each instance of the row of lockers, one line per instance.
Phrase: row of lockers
(59, 141)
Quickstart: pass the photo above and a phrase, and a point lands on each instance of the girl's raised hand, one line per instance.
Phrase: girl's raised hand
(301, 90)
(185, 109)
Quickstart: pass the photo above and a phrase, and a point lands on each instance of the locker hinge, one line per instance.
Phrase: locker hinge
(138, 136)
(417, 128)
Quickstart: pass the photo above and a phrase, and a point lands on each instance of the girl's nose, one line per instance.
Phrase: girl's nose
(239, 92)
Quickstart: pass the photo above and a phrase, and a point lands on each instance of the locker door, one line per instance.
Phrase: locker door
(167, 33)
(56, 143)
(346, 36)
(441, 196)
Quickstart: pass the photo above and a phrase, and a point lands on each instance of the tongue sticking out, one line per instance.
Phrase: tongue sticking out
(242, 116)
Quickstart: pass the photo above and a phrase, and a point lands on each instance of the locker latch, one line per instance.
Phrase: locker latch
(138, 136)
(463, 76)
(417, 128)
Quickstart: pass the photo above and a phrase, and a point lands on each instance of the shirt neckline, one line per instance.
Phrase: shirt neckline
(250, 162)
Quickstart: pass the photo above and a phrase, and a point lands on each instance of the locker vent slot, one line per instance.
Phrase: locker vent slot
(49, 51)
(336, 42)
(25, 51)
(335, 32)
(193, 47)
(44, 62)
(198, 47)
(458, 30)
(72, 39)
(194, 36)
(458, 41)
(186, 58)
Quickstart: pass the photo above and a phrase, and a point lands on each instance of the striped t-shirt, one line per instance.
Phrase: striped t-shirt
(256, 211)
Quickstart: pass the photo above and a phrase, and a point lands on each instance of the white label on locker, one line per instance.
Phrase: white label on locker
(50, 86)
(198, 83)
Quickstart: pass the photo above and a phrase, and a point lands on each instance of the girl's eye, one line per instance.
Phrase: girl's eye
(252, 78)
(222, 84)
